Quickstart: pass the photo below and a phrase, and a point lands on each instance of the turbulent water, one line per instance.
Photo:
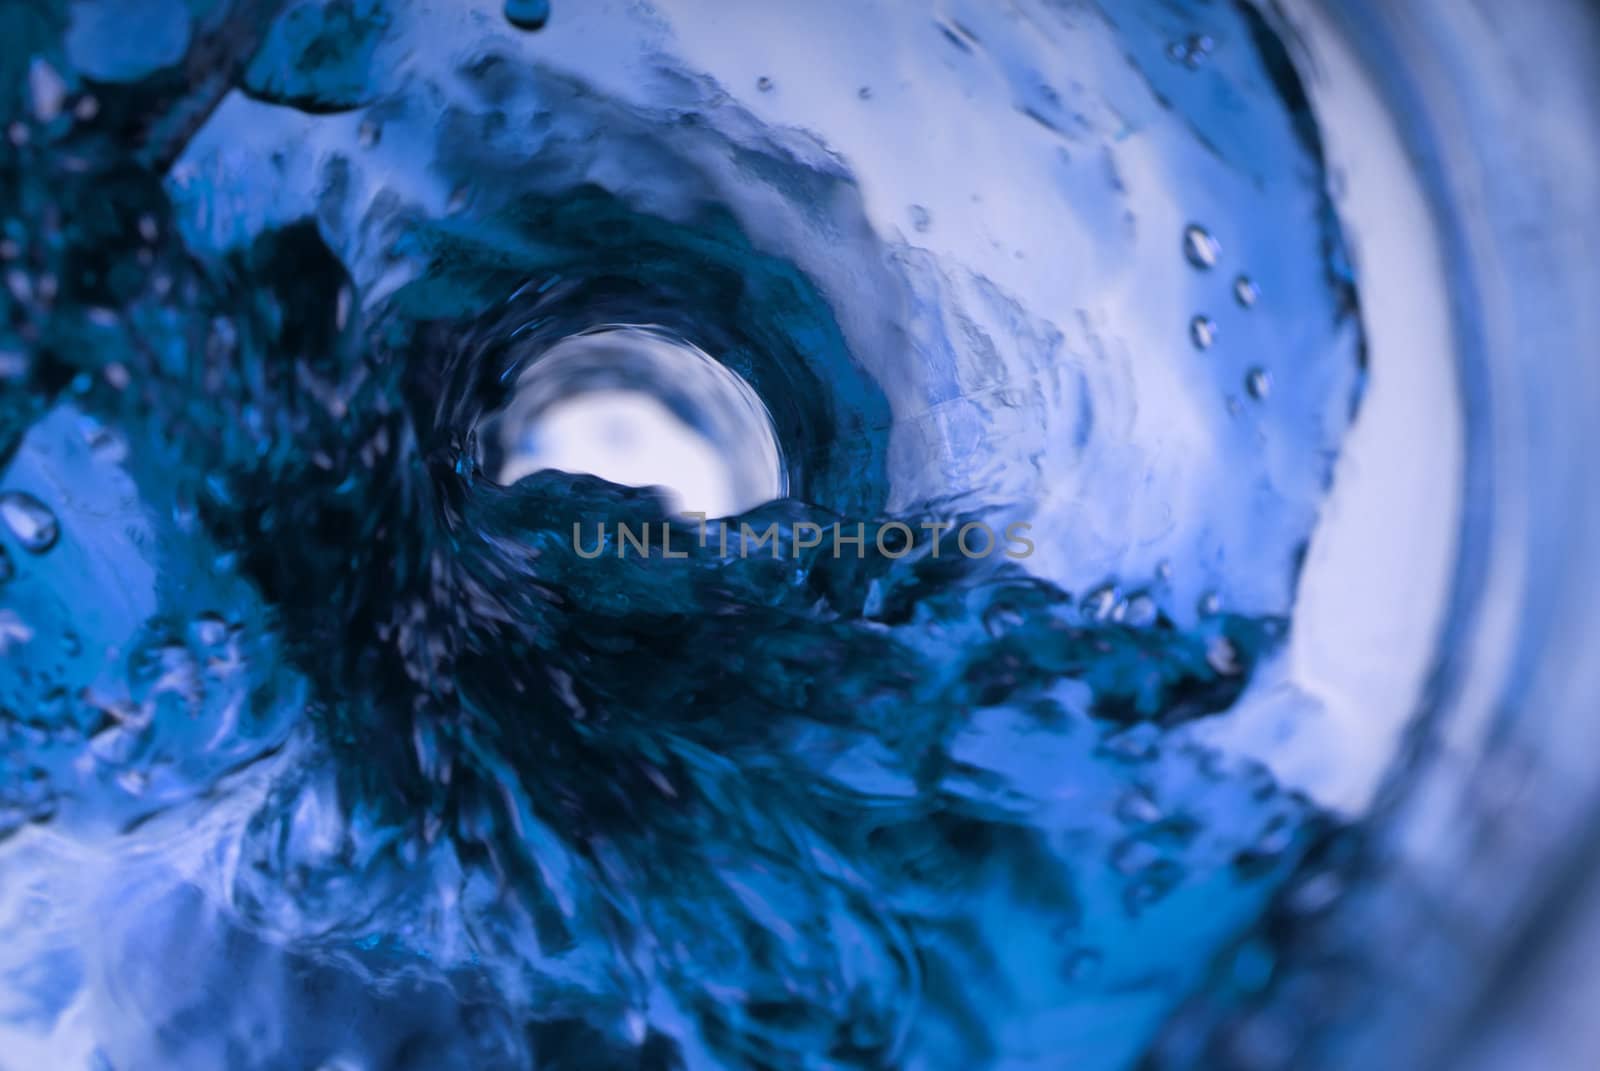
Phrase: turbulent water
(325, 744)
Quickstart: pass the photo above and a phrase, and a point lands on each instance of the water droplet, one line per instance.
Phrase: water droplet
(1258, 382)
(528, 14)
(920, 218)
(1200, 247)
(764, 84)
(1203, 332)
(1245, 291)
(30, 521)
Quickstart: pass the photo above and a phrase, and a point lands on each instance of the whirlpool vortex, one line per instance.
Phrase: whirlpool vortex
(325, 743)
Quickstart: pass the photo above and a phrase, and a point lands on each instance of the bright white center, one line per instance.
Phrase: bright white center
(629, 438)
(639, 407)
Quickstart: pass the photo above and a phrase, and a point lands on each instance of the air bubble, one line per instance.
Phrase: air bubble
(30, 521)
(1137, 808)
(1245, 291)
(1200, 248)
(764, 84)
(1102, 603)
(1191, 51)
(1258, 382)
(1141, 612)
(921, 219)
(1203, 332)
(1223, 657)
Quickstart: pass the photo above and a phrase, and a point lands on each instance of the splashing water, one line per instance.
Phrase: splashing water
(325, 741)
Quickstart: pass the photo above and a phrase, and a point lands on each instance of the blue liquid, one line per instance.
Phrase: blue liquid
(370, 765)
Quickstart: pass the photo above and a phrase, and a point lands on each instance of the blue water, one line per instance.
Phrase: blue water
(323, 745)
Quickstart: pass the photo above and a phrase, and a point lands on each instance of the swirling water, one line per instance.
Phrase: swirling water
(324, 743)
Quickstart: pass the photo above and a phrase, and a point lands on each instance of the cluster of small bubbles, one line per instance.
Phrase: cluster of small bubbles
(1203, 332)
(30, 521)
(1192, 50)
(1258, 383)
(1245, 291)
(1200, 247)
(528, 14)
